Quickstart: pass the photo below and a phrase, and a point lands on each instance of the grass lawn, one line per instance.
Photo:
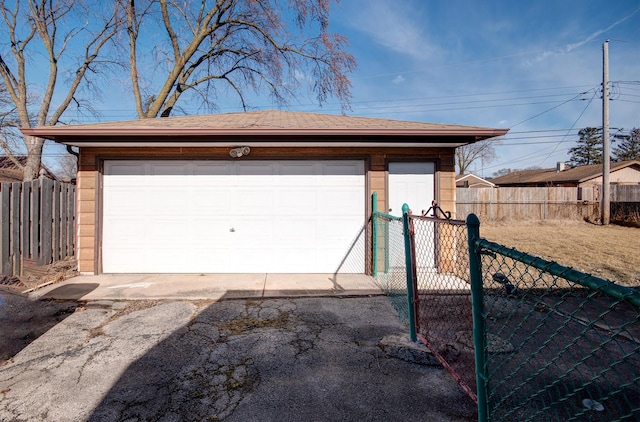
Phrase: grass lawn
(610, 252)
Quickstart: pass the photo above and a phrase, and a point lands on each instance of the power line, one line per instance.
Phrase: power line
(131, 112)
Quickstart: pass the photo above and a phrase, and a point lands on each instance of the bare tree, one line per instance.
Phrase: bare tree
(49, 47)
(53, 51)
(8, 123)
(67, 167)
(469, 154)
(238, 46)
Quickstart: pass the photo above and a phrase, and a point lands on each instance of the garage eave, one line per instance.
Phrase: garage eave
(231, 143)
(71, 135)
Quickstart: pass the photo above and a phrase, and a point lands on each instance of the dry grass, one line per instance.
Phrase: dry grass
(610, 252)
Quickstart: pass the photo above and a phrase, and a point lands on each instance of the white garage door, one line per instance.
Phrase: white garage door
(230, 217)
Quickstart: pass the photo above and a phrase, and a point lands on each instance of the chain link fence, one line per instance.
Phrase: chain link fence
(551, 343)
(389, 263)
(422, 265)
(526, 338)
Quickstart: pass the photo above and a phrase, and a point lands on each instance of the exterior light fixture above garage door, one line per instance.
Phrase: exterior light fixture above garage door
(239, 152)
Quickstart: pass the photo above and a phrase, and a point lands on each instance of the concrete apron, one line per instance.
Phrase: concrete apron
(208, 286)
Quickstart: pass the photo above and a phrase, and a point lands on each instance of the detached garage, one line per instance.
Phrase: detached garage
(257, 192)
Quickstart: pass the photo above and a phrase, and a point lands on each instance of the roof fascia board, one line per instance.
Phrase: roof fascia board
(61, 132)
(137, 144)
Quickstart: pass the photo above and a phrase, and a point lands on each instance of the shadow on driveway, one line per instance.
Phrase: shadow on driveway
(23, 320)
(305, 359)
(71, 291)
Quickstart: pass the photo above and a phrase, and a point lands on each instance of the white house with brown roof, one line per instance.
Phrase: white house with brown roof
(472, 181)
(257, 192)
(621, 173)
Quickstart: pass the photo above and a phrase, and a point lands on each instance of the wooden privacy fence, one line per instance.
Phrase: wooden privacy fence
(492, 204)
(624, 193)
(550, 203)
(38, 224)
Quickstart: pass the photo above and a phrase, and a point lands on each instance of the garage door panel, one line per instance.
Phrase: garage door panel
(254, 201)
(296, 200)
(166, 169)
(165, 260)
(256, 227)
(125, 232)
(304, 169)
(166, 201)
(299, 259)
(125, 201)
(296, 229)
(129, 259)
(213, 168)
(335, 201)
(255, 168)
(204, 230)
(170, 231)
(210, 201)
(214, 257)
(125, 168)
(286, 216)
(339, 228)
(343, 168)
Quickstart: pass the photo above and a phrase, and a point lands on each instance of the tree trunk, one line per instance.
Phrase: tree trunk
(34, 158)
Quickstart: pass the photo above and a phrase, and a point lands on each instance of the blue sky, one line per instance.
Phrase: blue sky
(528, 66)
(534, 67)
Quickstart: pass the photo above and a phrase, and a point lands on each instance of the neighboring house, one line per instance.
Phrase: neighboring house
(10, 172)
(256, 192)
(472, 181)
(622, 173)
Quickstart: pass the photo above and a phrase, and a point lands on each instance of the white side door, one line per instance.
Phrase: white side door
(413, 183)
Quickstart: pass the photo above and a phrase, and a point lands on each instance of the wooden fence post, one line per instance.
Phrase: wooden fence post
(35, 220)
(46, 221)
(71, 221)
(5, 198)
(55, 243)
(15, 228)
(25, 221)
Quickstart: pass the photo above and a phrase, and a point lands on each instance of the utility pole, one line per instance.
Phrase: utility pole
(605, 202)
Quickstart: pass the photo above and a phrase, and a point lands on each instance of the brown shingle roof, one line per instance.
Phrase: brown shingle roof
(552, 176)
(269, 122)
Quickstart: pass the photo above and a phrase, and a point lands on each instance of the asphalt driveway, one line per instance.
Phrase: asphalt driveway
(288, 359)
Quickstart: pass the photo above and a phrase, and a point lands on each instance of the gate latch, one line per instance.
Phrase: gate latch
(435, 209)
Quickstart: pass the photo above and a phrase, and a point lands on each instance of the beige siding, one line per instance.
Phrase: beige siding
(87, 235)
(625, 176)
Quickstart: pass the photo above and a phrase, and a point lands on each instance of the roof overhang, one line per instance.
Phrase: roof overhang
(265, 128)
(207, 137)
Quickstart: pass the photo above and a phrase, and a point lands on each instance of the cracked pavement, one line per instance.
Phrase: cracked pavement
(306, 359)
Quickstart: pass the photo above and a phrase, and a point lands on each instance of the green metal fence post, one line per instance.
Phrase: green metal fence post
(409, 262)
(374, 234)
(477, 304)
(386, 247)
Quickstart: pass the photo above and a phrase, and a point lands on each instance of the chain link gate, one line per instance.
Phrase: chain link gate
(421, 262)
